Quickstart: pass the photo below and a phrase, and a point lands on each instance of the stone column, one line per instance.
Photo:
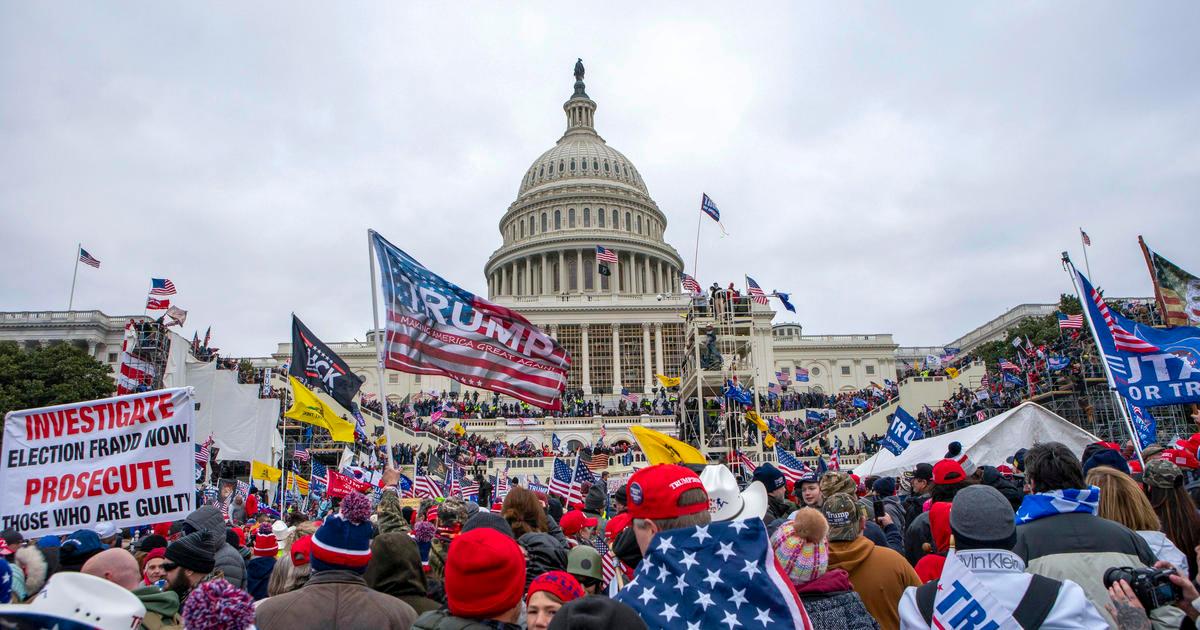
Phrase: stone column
(646, 356)
(596, 277)
(562, 271)
(614, 279)
(658, 348)
(616, 354)
(528, 275)
(545, 274)
(92, 349)
(503, 280)
(587, 361)
(579, 270)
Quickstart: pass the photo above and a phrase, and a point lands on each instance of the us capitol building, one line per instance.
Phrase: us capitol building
(620, 329)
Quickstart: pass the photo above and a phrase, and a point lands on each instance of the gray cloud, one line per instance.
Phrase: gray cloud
(909, 169)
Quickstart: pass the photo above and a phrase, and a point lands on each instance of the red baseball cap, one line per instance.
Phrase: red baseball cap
(1180, 458)
(654, 492)
(573, 521)
(948, 471)
(615, 525)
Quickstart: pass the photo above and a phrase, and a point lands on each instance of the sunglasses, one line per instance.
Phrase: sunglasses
(169, 566)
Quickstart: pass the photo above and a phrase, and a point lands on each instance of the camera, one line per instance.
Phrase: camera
(1153, 587)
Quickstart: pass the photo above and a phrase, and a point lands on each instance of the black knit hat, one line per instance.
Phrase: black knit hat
(194, 552)
(153, 541)
(596, 611)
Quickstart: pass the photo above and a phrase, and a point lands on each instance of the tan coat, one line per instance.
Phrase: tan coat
(334, 599)
(879, 576)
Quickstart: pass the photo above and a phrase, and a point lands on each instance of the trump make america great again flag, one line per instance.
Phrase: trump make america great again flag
(435, 327)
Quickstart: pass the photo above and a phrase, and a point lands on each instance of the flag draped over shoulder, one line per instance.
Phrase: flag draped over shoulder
(306, 407)
(318, 366)
(435, 327)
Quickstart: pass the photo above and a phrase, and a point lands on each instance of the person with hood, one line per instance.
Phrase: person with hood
(879, 575)
(885, 489)
(395, 568)
(485, 581)
(543, 553)
(994, 477)
(981, 521)
(929, 567)
(777, 504)
(237, 511)
(802, 549)
(229, 561)
(336, 596)
(1060, 536)
(258, 570)
(120, 568)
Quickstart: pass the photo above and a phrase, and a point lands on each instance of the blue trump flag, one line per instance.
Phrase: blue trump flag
(1144, 424)
(902, 432)
(813, 416)
(1013, 379)
(859, 402)
(1148, 366)
(1056, 363)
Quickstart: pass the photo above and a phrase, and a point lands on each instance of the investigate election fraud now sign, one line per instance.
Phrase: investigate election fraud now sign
(127, 460)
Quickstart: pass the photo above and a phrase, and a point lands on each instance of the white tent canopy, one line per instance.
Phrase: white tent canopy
(989, 442)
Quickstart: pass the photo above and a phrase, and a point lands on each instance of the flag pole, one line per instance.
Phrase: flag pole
(387, 421)
(75, 274)
(695, 255)
(1112, 387)
(1162, 306)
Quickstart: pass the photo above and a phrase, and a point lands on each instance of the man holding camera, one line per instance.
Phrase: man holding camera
(1059, 535)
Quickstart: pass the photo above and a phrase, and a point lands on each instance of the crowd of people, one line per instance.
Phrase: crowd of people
(1049, 538)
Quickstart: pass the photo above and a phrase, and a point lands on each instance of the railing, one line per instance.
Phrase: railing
(79, 317)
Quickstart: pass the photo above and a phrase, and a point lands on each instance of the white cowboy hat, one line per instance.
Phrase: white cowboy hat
(726, 502)
(84, 599)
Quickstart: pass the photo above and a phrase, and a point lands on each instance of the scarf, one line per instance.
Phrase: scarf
(1069, 501)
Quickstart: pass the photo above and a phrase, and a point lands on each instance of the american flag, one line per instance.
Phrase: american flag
(791, 467)
(986, 381)
(161, 286)
(300, 453)
(203, 454)
(500, 486)
(1067, 322)
(500, 350)
(598, 461)
(470, 488)
(425, 486)
(560, 481)
(155, 304)
(87, 258)
(716, 575)
(318, 472)
(1122, 339)
(1009, 366)
(605, 255)
(773, 388)
(801, 375)
(454, 488)
(980, 415)
(756, 292)
(689, 283)
(582, 474)
(1087, 240)
(633, 398)
(607, 561)
(834, 461)
(745, 462)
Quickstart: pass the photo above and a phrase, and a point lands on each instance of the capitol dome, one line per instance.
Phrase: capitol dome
(578, 195)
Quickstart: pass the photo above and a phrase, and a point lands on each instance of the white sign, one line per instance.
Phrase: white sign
(128, 460)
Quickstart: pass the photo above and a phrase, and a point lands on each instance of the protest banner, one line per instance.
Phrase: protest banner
(340, 485)
(128, 460)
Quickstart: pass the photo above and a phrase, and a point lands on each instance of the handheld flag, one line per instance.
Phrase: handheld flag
(307, 408)
(315, 363)
(1144, 424)
(435, 327)
(668, 381)
(259, 470)
(1068, 322)
(154, 304)
(661, 448)
(952, 372)
(902, 432)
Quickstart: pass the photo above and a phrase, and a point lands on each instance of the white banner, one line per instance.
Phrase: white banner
(520, 422)
(128, 460)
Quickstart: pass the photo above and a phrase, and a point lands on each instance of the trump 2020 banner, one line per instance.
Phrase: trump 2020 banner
(127, 460)
(435, 327)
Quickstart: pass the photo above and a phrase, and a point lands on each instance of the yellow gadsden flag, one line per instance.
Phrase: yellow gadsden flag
(458, 428)
(664, 449)
(259, 470)
(668, 381)
(306, 407)
(952, 372)
(757, 420)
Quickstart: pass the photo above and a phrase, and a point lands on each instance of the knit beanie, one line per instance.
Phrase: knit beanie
(485, 574)
(153, 541)
(218, 605)
(560, 584)
(265, 543)
(596, 612)
(344, 540)
(1106, 457)
(884, 487)
(981, 518)
(954, 452)
(801, 547)
(490, 520)
(194, 552)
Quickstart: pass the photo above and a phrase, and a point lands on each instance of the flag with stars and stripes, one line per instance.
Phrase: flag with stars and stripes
(161, 286)
(745, 462)
(560, 480)
(603, 254)
(689, 283)
(300, 454)
(435, 327)
(790, 465)
(721, 575)
(203, 452)
(88, 259)
(1067, 322)
(756, 292)
(608, 562)
(426, 486)
(1009, 366)
(318, 471)
(835, 462)
(629, 397)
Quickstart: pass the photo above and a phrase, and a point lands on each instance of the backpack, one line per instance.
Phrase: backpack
(1031, 611)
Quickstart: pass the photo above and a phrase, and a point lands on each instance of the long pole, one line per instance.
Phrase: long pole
(695, 255)
(1112, 387)
(78, 249)
(387, 421)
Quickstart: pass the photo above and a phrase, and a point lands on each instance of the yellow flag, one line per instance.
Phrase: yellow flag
(952, 372)
(297, 483)
(668, 381)
(259, 470)
(458, 428)
(769, 441)
(755, 419)
(664, 449)
(306, 407)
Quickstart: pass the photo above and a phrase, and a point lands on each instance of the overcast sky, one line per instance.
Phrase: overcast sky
(906, 168)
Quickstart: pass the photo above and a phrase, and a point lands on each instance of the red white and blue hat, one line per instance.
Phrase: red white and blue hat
(344, 540)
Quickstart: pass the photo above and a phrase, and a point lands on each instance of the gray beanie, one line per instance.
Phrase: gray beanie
(981, 518)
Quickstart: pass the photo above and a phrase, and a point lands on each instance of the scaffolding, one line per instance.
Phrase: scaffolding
(147, 347)
(719, 347)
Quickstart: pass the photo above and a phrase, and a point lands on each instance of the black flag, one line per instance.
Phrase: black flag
(315, 364)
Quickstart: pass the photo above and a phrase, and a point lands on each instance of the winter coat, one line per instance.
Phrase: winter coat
(992, 477)
(229, 561)
(443, 620)
(162, 608)
(1003, 574)
(543, 553)
(879, 576)
(555, 531)
(1164, 549)
(893, 507)
(831, 603)
(258, 573)
(334, 599)
(914, 506)
(778, 508)
(1080, 547)
(395, 569)
(915, 537)
(889, 536)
